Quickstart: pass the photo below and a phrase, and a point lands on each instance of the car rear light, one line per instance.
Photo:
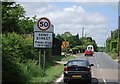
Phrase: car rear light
(88, 69)
(66, 69)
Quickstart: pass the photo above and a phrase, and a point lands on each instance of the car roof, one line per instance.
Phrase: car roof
(78, 60)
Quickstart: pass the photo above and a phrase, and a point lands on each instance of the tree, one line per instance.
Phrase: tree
(114, 34)
(59, 37)
(66, 35)
(11, 13)
(14, 20)
(26, 25)
(112, 40)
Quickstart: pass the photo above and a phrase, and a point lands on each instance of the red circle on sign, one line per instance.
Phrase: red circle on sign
(43, 19)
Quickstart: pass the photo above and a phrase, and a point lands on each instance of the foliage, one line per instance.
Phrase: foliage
(114, 34)
(14, 20)
(108, 44)
(111, 42)
(19, 59)
(59, 37)
(76, 42)
(67, 58)
(75, 50)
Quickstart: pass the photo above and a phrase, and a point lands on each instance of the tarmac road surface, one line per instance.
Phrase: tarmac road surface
(104, 71)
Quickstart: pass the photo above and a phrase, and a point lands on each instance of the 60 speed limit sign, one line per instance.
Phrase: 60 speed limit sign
(43, 23)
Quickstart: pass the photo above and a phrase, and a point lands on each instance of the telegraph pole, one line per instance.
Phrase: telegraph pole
(83, 32)
(118, 53)
(82, 37)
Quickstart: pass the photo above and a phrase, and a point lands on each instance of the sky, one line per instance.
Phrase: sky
(98, 17)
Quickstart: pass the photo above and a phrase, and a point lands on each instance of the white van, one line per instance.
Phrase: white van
(90, 48)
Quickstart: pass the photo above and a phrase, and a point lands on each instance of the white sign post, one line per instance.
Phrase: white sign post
(43, 37)
(43, 33)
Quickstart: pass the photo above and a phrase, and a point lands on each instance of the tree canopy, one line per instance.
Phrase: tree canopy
(14, 20)
(111, 42)
(76, 41)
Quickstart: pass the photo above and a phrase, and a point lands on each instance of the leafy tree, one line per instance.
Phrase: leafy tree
(76, 42)
(114, 34)
(14, 20)
(88, 41)
(11, 13)
(66, 35)
(26, 25)
(111, 40)
(108, 44)
(59, 37)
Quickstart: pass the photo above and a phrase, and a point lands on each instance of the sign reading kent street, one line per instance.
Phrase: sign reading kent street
(43, 40)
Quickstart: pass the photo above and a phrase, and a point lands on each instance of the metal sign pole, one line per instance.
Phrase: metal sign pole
(44, 60)
(39, 57)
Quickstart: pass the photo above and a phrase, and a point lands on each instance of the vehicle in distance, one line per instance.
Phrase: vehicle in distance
(77, 70)
(88, 53)
(90, 48)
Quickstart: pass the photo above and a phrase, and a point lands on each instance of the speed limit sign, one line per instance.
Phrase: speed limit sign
(43, 23)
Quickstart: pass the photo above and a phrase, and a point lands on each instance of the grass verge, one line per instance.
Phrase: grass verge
(114, 56)
(53, 70)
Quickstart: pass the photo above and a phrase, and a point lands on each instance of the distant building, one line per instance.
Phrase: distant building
(56, 50)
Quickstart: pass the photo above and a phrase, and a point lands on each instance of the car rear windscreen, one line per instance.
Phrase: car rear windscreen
(77, 63)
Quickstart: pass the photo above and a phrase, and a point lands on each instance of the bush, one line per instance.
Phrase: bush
(19, 59)
(64, 49)
(114, 50)
(75, 50)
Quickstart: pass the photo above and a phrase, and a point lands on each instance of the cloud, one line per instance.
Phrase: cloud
(67, 0)
(72, 19)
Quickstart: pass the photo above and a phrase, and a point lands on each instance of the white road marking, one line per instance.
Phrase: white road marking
(110, 58)
(100, 71)
(59, 79)
(98, 65)
(104, 81)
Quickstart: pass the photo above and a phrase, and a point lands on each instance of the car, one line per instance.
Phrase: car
(77, 70)
(88, 53)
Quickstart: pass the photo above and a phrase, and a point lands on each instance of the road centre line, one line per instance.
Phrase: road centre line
(100, 71)
(98, 65)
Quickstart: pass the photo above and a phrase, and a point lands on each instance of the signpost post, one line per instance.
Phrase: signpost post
(43, 37)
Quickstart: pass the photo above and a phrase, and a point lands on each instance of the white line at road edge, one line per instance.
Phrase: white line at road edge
(104, 81)
(110, 58)
(60, 79)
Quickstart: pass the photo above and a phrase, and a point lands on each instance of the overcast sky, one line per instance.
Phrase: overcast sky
(98, 18)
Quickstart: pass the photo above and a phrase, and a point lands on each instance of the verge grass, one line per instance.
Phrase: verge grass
(53, 72)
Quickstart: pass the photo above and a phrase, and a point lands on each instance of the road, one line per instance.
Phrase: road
(104, 71)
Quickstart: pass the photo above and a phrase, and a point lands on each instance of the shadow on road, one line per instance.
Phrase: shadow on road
(94, 81)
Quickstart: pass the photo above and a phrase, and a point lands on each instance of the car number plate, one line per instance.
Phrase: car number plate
(76, 76)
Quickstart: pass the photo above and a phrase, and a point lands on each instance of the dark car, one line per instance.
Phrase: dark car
(77, 70)
(88, 53)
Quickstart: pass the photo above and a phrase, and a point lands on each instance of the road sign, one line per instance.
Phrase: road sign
(43, 40)
(43, 23)
(65, 44)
